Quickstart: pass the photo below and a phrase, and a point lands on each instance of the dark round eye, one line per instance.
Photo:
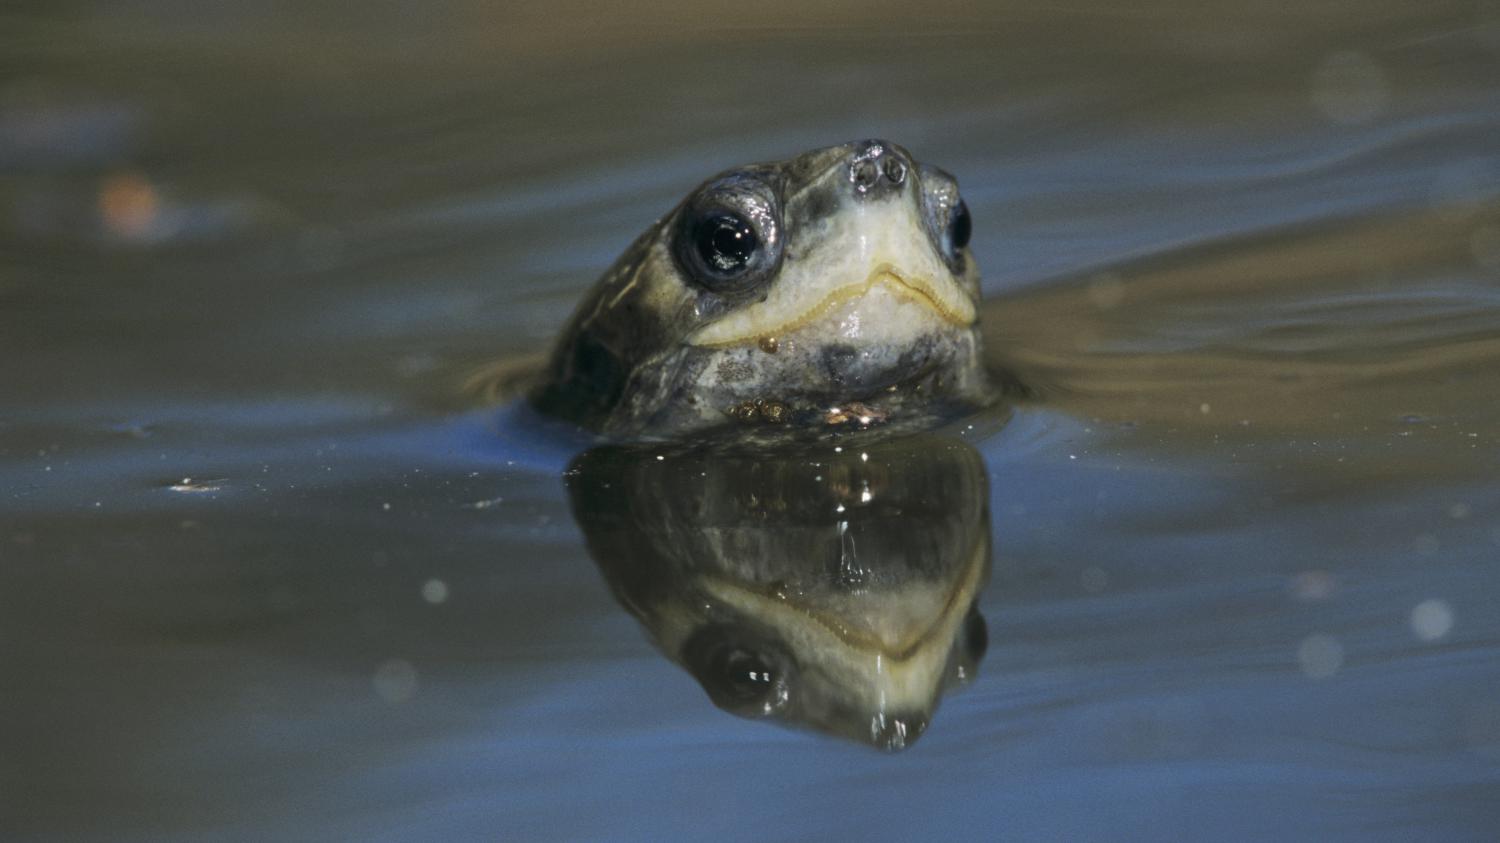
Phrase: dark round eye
(726, 242)
(745, 676)
(960, 226)
(742, 671)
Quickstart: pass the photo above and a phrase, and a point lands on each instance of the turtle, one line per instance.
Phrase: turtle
(834, 289)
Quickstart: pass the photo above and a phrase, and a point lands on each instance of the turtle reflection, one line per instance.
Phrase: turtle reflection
(828, 586)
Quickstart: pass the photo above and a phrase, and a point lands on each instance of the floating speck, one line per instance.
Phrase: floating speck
(1459, 511)
(1426, 544)
(386, 507)
(1205, 409)
(435, 591)
(1320, 656)
(1431, 619)
(484, 504)
(128, 206)
(395, 681)
(197, 487)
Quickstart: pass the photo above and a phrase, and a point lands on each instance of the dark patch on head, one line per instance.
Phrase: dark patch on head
(838, 359)
(814, 207)
(591, 380)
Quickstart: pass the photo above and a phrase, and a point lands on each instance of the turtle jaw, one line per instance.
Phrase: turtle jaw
(839, 310)
(852, 269)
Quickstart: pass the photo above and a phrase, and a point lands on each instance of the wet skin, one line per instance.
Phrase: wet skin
(830, 289)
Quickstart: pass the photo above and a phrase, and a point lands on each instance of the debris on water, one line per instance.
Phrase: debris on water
(128, 205)
(484, 504)
(190, 486)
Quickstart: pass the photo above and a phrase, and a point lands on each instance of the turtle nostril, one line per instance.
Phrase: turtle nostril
(878, 169)
(895, 169)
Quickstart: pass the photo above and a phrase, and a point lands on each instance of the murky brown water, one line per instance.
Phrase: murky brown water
(265, 574)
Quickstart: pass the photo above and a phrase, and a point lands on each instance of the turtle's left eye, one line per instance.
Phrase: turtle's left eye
(726, 242)
(960, 227)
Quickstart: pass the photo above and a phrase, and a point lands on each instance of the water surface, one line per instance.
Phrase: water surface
(267, 571)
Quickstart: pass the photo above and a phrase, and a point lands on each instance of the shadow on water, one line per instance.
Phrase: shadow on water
(829, 586)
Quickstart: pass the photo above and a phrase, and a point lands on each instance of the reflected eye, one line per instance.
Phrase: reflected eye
(960, 227)
(745, 675)
(741, 671)
(726, 242)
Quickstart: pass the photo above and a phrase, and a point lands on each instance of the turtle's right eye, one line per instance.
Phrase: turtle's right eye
(728, 238)
(726, 242)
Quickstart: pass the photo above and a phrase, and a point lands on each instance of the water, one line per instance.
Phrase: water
(269, 573)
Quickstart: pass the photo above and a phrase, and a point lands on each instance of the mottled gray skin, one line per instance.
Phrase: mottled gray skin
(627, 363)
